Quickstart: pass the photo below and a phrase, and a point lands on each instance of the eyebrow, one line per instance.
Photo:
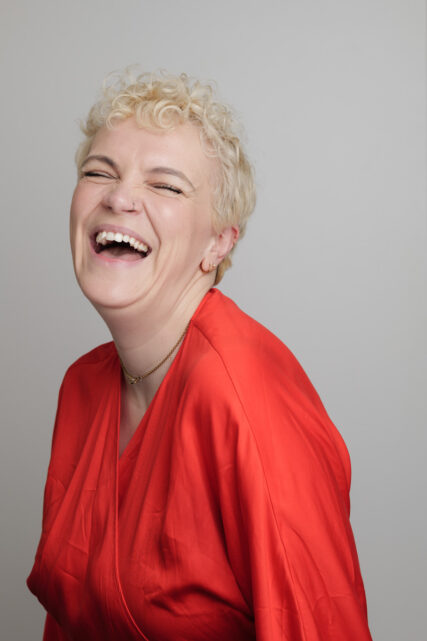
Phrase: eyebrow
(155, 170)
(106, 159)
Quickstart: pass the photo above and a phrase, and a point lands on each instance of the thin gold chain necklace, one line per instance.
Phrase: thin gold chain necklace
(135, 379)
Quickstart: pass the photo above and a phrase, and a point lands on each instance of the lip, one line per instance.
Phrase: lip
(116, 229)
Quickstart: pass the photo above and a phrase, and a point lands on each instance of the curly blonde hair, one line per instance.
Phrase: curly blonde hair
(164, 101)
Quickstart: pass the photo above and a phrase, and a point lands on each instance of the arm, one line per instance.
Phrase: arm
(284, 503)
(281, 475)
(52, 631)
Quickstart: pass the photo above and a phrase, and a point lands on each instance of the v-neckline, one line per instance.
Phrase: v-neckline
(131, 444)
(120, 461)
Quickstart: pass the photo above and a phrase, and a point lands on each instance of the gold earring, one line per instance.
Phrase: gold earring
(210, 268)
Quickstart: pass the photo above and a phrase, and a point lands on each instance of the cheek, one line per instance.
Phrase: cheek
(75, 207)
(202, 228)
(194, 223)
(73, 210)
(84, 200)
(191, 232)
(77, 215)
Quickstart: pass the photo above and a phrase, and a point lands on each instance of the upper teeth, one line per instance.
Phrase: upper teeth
(104, 237)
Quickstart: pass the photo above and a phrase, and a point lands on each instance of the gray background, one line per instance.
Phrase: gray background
(333, 97)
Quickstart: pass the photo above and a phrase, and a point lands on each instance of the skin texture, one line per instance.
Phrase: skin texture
(147, 302)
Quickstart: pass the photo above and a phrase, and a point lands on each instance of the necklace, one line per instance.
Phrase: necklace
(135, 379)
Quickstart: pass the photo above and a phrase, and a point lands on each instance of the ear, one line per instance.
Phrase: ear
(221, 245)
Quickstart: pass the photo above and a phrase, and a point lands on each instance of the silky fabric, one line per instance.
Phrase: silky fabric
(227, 515)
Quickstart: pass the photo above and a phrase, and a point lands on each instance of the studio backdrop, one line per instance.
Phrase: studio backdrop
(332, 94)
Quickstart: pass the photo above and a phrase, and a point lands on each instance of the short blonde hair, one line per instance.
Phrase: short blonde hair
(164, 101)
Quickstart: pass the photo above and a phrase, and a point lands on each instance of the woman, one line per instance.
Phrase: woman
(197, 489)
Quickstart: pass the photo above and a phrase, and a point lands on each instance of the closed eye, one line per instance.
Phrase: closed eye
(96, 174)
(175, 190)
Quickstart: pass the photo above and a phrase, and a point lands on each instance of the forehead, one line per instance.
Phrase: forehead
(181, 147)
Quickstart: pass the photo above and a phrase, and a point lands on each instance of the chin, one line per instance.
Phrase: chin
(107, 295)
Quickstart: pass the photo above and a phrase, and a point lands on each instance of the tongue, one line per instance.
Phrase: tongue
(124, 253)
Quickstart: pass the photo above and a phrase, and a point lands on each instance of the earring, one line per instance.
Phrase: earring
(210, 267)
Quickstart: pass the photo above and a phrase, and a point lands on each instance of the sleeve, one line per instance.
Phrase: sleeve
(287, 528)
(52, 631)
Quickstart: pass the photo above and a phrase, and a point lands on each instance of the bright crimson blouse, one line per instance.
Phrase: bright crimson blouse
(227, 516)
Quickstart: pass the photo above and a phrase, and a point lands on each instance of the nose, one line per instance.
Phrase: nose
(122, 198)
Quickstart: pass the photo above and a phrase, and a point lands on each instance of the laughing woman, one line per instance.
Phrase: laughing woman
(197, 489)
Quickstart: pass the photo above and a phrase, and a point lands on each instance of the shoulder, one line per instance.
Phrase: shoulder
(87, 385)
(245, 372)
(220, 319)
(95, 357)
(92, 364)
(86, 381)
(245, 351)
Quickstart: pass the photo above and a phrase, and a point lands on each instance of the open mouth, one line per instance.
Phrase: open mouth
(118, 245)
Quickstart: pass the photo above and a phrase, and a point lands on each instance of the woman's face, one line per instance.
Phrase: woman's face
(141, 214)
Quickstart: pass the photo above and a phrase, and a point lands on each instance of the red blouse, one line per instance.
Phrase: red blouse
(227, 516)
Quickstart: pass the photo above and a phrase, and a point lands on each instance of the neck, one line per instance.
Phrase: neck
(145, 332)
